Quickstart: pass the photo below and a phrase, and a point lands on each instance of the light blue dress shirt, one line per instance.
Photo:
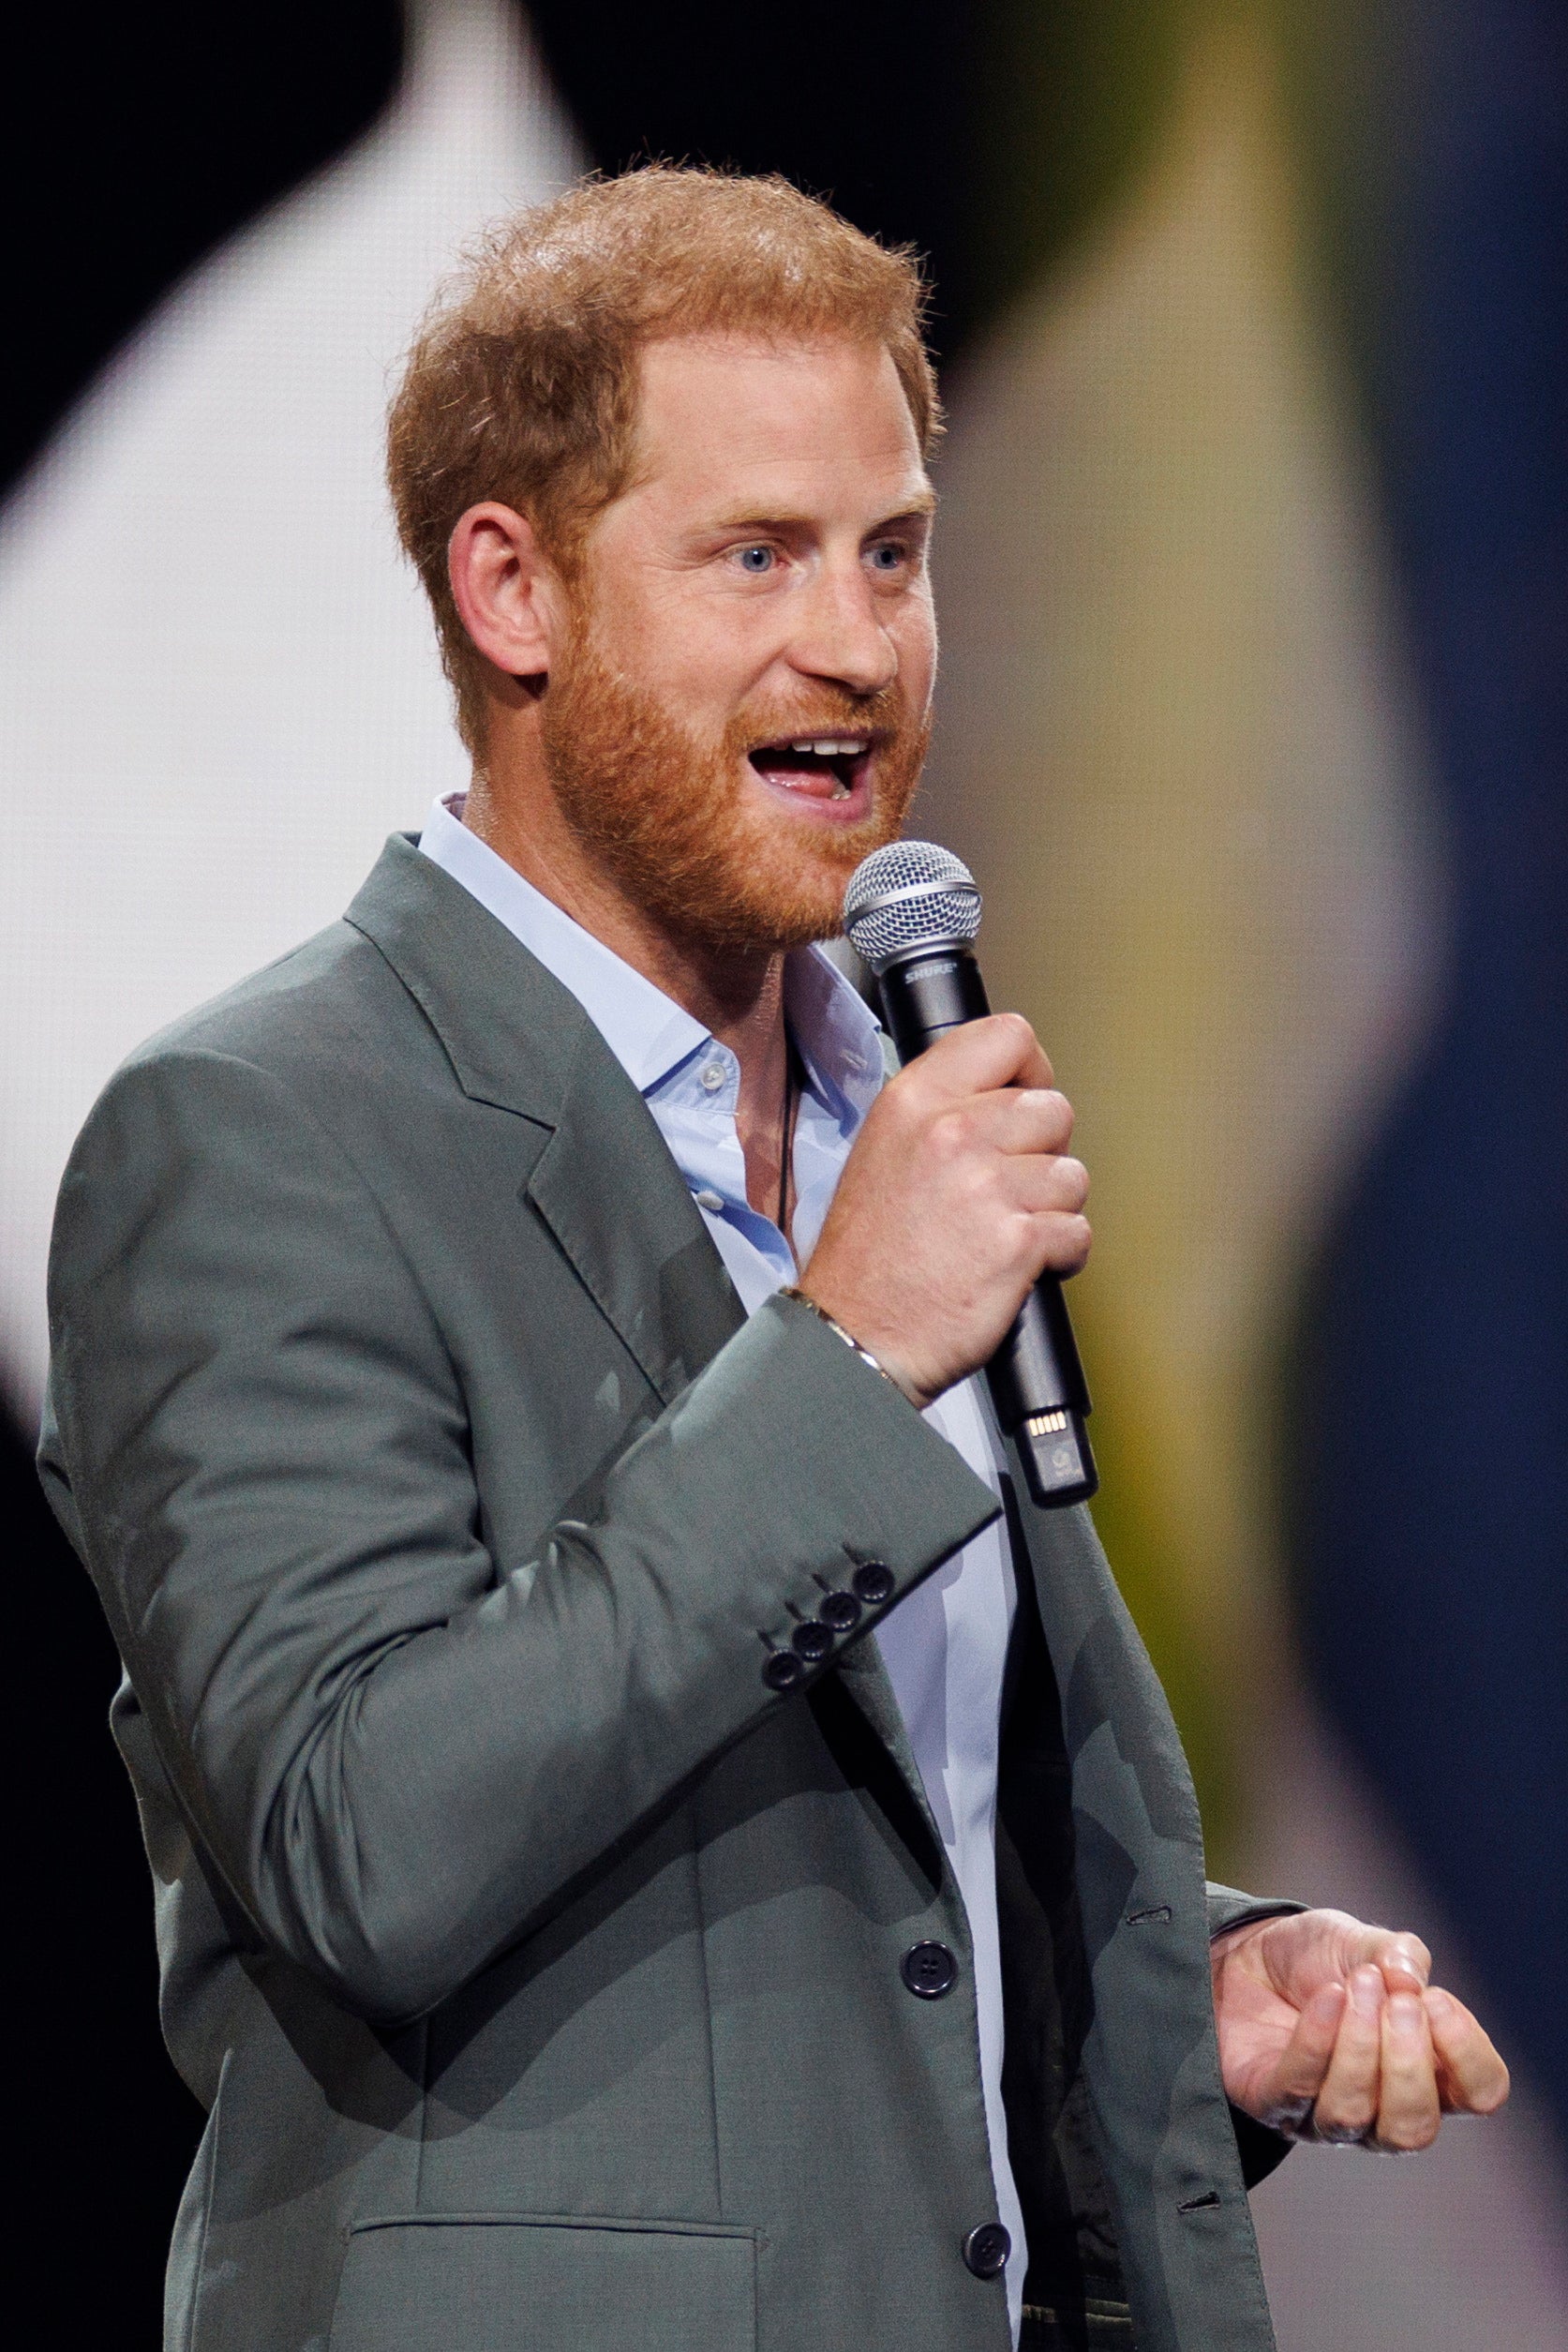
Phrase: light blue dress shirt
(945, 1644)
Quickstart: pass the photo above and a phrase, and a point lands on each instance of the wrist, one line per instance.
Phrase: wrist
(1229, 1941)
(872, 1358)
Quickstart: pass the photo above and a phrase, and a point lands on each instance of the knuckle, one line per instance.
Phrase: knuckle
(1064, 1240)
(948, 1135)
(1073, 1179)
(984, 1190)
(900, 1104)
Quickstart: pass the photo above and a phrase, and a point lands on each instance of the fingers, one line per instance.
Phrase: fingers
(1398, 2060)
(1347, 2104)
(1287, 2093)
(1020, 1121)
(1404, 1960)
(1028, 1119)
(1408, 2110)
(1472, 2078)
(1020, 1134)
(1062, 1246)
(1046, 1184)
(1051, 1190)
(1000, 1051)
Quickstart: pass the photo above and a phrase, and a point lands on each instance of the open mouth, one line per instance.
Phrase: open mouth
(825, 768)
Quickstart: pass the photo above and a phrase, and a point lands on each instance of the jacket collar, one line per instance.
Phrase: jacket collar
(647, 1033)
(604, 1181)
(510, 1030)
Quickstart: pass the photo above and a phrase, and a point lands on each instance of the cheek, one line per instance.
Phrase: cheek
(914, 635)
(700, 655)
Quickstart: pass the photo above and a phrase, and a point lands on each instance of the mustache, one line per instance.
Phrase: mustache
(835, 711)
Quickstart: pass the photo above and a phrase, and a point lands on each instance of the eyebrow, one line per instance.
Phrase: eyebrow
(919, 508)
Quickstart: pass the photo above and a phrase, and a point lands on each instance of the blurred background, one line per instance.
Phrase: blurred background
(1252, 564)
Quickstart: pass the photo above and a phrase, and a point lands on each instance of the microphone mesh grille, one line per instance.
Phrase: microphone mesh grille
(943, 908)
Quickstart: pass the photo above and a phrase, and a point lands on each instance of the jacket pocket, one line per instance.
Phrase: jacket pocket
(546, 2282)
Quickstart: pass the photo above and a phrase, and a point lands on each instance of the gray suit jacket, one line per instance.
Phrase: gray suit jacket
(538, 1963)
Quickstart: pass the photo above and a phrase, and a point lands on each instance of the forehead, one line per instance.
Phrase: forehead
(726, 418)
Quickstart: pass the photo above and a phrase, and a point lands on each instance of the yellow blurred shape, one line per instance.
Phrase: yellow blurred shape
(1175, 743)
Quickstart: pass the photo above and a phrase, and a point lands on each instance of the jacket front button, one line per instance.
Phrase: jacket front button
(986, 2250)
(929, 1971)
(782, 1671)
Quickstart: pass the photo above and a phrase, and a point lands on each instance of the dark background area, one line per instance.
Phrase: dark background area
(135, 142)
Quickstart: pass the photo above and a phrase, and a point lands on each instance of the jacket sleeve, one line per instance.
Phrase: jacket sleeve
(399, 1752)
(1229, 1908)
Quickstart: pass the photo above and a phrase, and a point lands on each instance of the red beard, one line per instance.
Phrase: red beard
(666, 812)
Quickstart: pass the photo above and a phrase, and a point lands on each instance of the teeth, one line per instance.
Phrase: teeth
(832, 746)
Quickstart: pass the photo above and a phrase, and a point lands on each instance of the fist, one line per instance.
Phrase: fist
(958, 1195)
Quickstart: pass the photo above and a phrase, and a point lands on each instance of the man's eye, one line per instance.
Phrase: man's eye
(888, 557)
(756, 560)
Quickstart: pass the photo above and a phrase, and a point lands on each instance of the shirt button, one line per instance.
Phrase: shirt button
(713, 1077)
(986, 2250)
(712, 1202)
(929, 1971)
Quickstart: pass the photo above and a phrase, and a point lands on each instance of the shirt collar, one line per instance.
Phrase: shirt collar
(647, 1032)
(835, 1034)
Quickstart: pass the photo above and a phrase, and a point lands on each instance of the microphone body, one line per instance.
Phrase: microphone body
(1035, 1378)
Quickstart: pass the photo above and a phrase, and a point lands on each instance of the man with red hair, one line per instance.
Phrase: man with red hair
(657, 1839)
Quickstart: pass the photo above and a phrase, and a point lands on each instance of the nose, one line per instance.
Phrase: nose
(841, 635)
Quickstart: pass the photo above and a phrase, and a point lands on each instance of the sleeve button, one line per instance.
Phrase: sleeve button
(812, 1641)
(873, 1581)
(841, 1610)
(782, 1671)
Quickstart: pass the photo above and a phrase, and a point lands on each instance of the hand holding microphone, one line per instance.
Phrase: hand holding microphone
(955, 1198)
(959, 1208)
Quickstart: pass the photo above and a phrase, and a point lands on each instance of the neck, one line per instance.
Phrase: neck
(737, 994)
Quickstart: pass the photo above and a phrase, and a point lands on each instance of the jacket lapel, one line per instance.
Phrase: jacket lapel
(604, 1182)
(611, 1195)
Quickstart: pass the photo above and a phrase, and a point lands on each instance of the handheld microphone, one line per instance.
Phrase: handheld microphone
(912, 911)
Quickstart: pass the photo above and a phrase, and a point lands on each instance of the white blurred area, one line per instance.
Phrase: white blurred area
(218, 687)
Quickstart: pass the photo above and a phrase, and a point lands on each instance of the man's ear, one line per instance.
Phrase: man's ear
(508, 596)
